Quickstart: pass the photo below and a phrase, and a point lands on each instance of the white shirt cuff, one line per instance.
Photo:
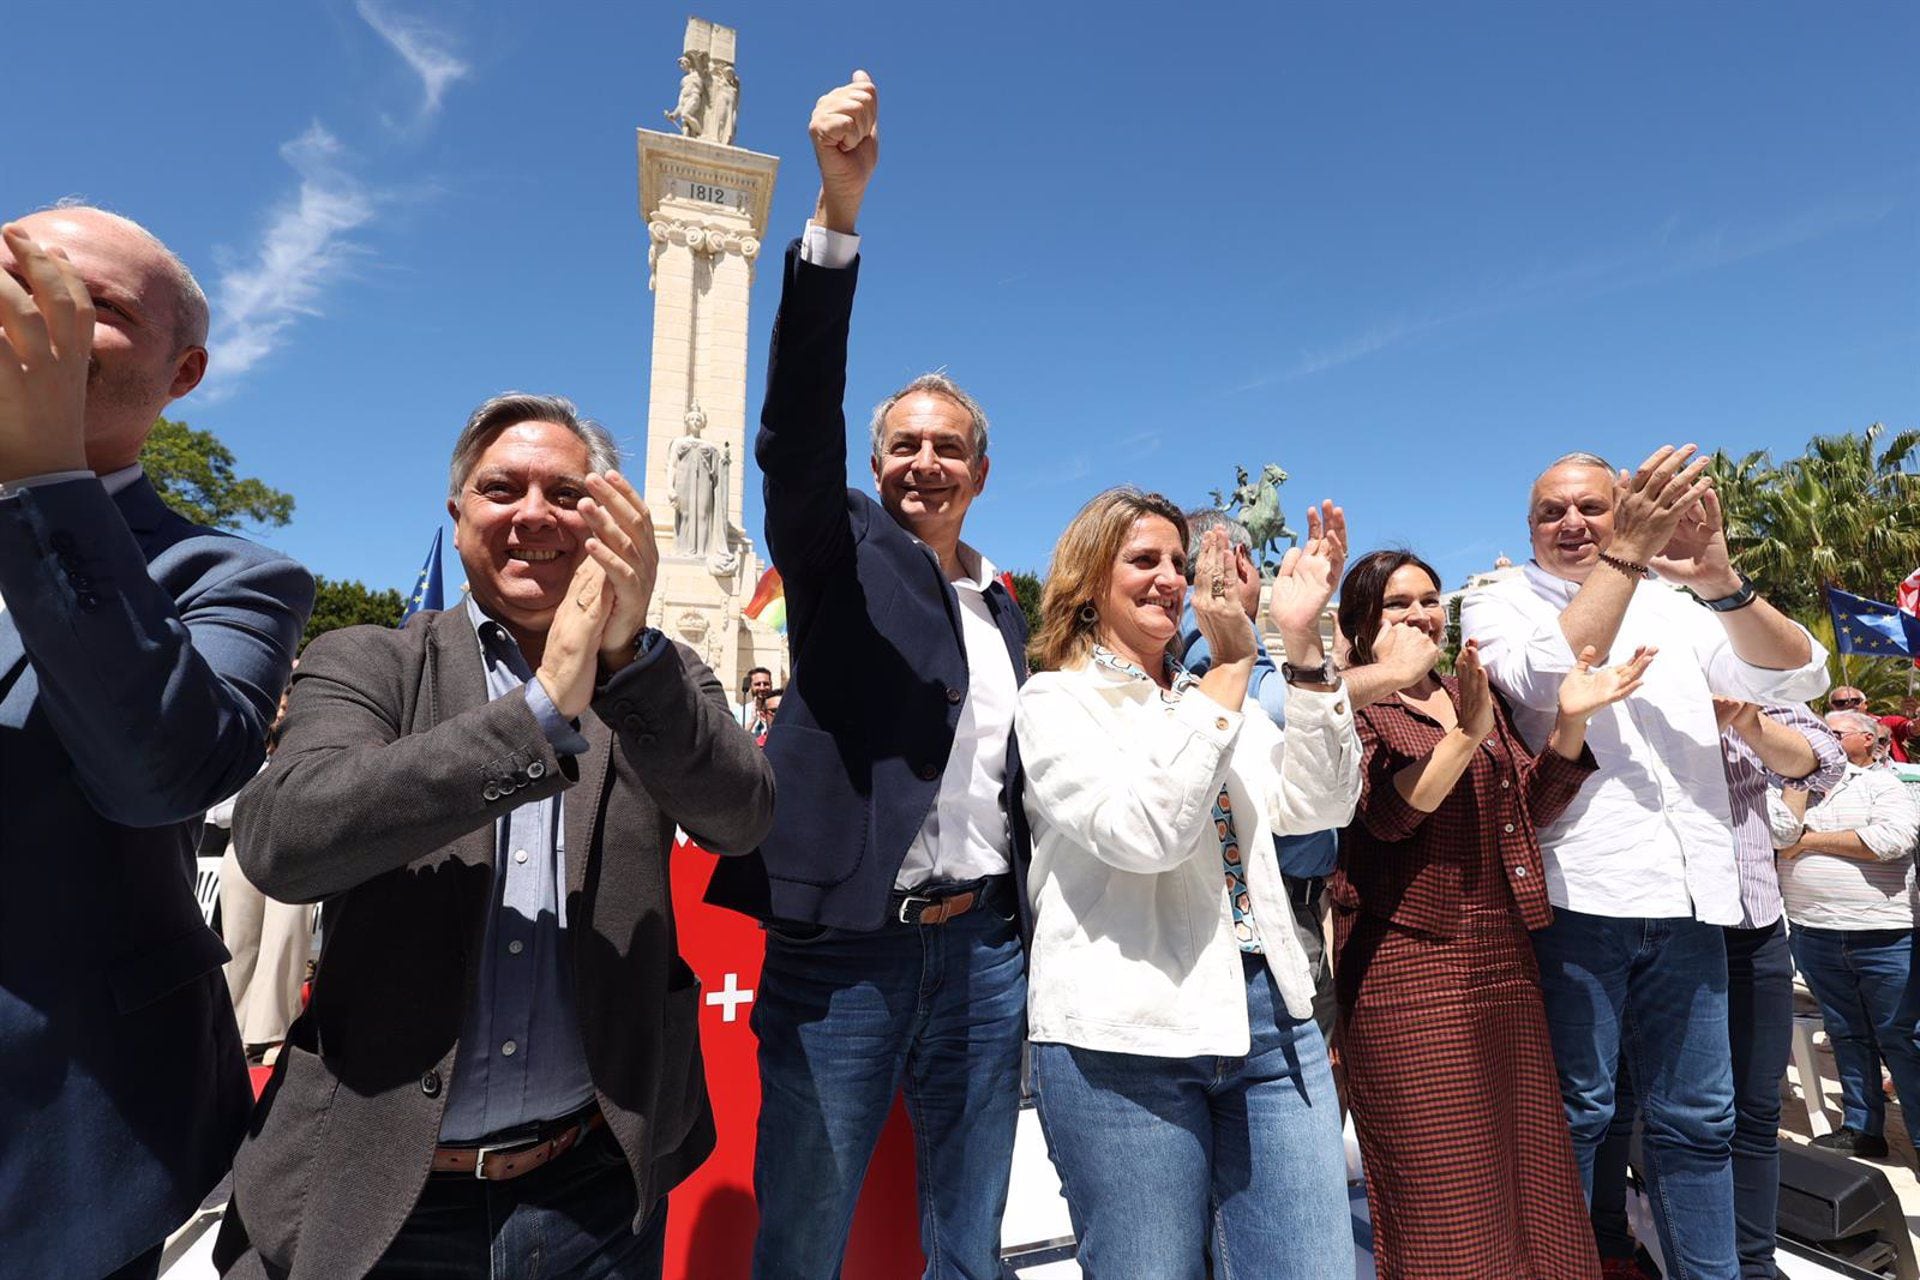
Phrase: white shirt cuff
(821, 247)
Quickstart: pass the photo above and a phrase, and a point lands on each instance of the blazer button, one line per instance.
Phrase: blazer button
(954, 696)
(87, 601)
(632, 724)
(490, 792)
(646, 739)
(928, 773)
(430, 1084)
(537, 770)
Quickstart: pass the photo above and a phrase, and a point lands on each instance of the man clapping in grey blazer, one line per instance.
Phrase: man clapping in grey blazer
(499, 1072)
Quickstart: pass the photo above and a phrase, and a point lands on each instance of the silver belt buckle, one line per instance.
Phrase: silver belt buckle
(481, 1153)
(909, 900)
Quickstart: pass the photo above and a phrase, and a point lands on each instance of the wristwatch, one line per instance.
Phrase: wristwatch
(1740, 599)
(1322, 674)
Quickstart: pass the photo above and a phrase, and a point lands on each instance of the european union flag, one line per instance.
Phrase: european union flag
(1871, 627)
(427, 592)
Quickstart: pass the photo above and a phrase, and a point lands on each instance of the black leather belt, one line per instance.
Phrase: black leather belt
(937, 904)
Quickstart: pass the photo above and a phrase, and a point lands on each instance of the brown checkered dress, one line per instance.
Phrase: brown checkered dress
(1449, 1071)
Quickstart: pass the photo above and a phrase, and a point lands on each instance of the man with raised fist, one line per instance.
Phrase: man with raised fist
(888, 883)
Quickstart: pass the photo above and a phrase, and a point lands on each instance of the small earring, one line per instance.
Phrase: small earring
(1089, 614)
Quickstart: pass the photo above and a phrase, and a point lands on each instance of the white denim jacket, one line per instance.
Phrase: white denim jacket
(1133, 948)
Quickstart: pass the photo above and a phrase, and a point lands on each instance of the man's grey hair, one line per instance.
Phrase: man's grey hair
(503, 411)
(190, 311)
(1858, 721)
(1200, 520)
(933, 384)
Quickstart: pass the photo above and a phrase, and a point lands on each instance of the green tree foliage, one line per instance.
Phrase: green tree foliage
(1026, 591)
(1846, 513)
(194, 473)
(339, 603)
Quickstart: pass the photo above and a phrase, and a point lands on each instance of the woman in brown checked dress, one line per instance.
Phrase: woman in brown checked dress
(1449, 1070)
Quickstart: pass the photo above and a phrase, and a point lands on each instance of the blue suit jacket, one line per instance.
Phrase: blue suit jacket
(141, 660)
(879, 666)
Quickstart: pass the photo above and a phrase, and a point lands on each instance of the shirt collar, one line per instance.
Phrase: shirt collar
(980, 572)
(1124, 670)
(1550, 585)
(114, 481)
(495, 640)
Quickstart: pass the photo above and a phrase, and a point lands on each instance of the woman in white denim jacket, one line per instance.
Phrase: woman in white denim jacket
(1183, 1085)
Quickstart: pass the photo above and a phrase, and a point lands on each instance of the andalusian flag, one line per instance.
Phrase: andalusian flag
(769, 603)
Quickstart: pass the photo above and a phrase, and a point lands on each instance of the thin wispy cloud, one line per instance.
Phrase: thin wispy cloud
(306, 247)
(1669, 253)
(424, 47)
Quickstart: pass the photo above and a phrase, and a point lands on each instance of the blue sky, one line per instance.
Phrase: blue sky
(1408, 251)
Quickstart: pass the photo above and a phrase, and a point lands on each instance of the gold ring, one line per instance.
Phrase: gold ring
(1219, 587)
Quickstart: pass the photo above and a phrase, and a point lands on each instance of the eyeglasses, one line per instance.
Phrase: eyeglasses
(1846, 702)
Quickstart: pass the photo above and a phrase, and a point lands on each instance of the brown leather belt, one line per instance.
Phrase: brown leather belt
(920, 908)
(510, 1160)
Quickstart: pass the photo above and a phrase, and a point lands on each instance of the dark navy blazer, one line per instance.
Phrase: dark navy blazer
(879, 665)
(141, 660)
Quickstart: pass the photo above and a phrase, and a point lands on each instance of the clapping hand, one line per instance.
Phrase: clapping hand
(1584, 690)
(1305, 582)
(1696, 555)
(1474, 703)
(1405, 651)
(624, 547)
(1651, 502)
(845, 129)
(570, 665)
(1216, 602)
(48, 340)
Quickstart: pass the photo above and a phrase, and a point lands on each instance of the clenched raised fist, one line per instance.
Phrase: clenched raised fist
(845, 129)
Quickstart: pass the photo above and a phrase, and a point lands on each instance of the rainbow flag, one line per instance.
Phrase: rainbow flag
(769, 603)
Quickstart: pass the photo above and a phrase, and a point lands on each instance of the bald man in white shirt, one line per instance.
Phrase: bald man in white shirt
(1641, 867)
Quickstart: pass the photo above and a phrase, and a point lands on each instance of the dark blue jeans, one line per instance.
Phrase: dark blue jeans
(848, 1020)
(1654, 993)
(1760, 1027)
(1165, 1160)
(568, 1220)
(1861, 979)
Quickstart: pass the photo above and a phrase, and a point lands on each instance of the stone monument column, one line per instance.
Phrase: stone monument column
(705, 203)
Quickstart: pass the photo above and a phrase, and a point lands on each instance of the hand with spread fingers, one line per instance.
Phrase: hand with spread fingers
(1216, 602)
(569, 668)
(1651, 502)
(845, 129)
(1584, 690)
(624, 546)
(1696, 555)
(1305, 582)
(47, 329)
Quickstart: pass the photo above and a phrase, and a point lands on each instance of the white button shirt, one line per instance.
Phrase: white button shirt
(1649, 835)
(1828, 891)
(965, 835)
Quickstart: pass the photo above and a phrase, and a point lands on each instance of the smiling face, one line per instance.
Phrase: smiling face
(516, 527)
(926, 471)
(140, 359)
(1140, 608)
(1414, 598)
(1571, 519)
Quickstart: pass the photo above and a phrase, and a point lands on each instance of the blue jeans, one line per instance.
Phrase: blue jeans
(568, 1220)
(1760, 1026)
(1165, 1159)
(1860, 977)
(848, 1020)
(1651, 993)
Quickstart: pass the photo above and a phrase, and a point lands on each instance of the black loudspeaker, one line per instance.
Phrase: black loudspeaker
(1846, 1209)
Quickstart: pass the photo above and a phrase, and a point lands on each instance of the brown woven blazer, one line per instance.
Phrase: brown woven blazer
(382, 800)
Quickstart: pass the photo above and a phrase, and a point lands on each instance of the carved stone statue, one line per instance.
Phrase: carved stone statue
(690, 112)
(699, 469)
(723, 104)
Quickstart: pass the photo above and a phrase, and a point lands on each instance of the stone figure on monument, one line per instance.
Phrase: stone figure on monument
(699, 469)
(689, 113)
(723, 104)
